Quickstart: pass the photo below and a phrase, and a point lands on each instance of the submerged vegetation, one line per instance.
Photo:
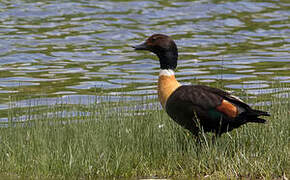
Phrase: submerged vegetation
(121, 139)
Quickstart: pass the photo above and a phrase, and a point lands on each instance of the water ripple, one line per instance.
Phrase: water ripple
(60, 47)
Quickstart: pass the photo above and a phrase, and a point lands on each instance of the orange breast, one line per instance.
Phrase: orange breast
(166, 86)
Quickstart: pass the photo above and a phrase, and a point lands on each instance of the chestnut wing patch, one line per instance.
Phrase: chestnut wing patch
(228, 109)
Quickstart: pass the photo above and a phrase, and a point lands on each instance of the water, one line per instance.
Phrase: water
(60, 49)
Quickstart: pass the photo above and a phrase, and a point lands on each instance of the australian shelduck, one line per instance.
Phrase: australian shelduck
(196, 107)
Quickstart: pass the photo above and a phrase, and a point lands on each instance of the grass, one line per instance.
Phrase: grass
(137, 139)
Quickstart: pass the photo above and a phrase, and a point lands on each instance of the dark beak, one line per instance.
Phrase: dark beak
(142, 46)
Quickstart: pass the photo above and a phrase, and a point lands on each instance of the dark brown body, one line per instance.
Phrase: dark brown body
(195, 107)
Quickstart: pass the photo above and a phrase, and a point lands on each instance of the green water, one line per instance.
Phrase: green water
(51, 50)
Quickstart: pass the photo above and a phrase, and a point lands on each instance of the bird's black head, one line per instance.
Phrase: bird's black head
(164, 47)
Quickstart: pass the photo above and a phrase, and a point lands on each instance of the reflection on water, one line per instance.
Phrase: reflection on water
(60, 48)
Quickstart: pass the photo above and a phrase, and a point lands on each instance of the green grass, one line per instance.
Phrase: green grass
(109, 140)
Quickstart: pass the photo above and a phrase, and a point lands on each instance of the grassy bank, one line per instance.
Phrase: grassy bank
(108, 139)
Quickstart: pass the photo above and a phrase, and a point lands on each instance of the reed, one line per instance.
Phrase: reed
(137, 139)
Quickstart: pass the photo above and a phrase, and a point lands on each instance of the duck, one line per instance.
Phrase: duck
(197, 108)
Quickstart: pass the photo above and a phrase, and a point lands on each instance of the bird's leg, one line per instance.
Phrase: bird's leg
(214, 137)
(197, 138)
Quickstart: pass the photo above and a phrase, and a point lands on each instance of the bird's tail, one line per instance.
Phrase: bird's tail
(259, 113)
(253, 116)
(257, 120)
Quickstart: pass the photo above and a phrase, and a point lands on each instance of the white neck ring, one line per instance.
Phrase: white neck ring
(166, 72)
